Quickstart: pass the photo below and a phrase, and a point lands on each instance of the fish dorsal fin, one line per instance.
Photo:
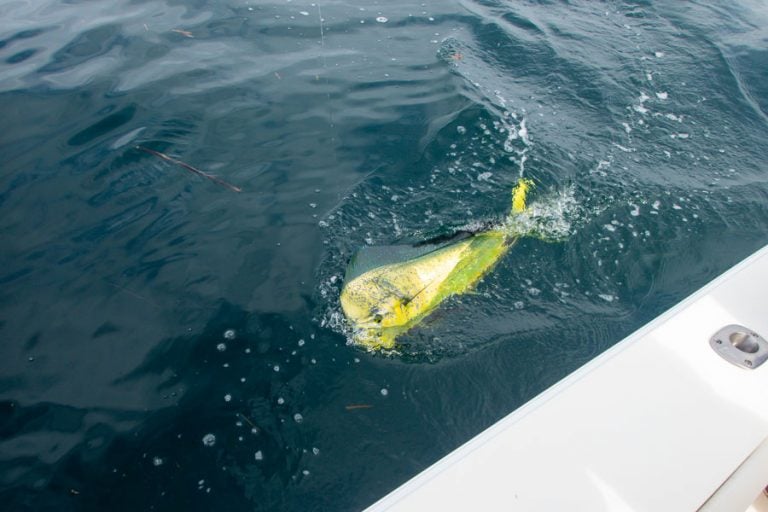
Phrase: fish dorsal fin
(370, 257)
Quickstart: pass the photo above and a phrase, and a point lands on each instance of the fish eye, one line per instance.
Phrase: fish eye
(378, 318)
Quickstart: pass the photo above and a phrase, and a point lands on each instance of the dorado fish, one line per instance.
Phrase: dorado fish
(390, 289)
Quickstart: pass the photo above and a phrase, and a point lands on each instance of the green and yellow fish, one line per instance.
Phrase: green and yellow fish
(388, 290)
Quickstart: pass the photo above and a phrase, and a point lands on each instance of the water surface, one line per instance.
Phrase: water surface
(170, 344)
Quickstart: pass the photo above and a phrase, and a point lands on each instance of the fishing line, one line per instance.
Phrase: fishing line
(322, 34)
(325, 65)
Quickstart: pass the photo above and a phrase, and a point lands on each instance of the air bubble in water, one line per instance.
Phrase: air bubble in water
(298, 418)
(229, 334)
(382, 19)
(221, 347)
(209, 439)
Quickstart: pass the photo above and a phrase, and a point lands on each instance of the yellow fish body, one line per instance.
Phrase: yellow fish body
(381, 302)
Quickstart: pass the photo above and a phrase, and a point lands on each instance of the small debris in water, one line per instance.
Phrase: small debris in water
(188, 167)
(298, 418)
(229, 334)
(227, 397)
(384, 391)
(280, 401)
(221, 347)
(209, 439)
(157, 461)
(258, 455)
(353, 407)
(382, 19)
(255, 429)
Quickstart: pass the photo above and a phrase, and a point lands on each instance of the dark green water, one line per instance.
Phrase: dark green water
(643, 123)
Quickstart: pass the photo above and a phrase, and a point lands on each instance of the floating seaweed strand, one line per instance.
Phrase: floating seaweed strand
(188, 167)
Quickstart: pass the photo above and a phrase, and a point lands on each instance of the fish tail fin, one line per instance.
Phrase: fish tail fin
(520, 194)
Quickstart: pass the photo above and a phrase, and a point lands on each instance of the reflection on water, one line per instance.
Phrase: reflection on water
(344, 125)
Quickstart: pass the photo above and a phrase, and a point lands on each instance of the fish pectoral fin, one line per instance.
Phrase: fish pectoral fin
(394, 290)
(423, 289)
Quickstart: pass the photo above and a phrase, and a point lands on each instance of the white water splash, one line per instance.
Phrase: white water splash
(550, 217)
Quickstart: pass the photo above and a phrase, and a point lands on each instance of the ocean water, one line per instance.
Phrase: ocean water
(171, 343)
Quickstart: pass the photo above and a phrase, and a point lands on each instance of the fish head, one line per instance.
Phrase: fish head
(368, 305)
